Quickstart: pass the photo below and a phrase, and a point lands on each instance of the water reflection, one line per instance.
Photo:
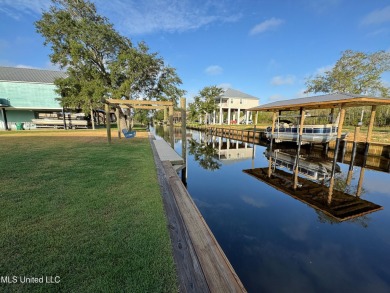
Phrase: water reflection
(314, 181)
(211, 151)
(277, 244)
(204, 154)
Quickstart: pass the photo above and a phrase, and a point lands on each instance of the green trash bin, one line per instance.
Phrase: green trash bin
(19, 126)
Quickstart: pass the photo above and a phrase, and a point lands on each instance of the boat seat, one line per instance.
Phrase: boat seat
(128, 134)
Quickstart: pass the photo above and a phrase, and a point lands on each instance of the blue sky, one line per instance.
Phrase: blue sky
(263, 48)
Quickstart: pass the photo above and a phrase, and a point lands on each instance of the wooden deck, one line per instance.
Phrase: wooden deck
(201, 264)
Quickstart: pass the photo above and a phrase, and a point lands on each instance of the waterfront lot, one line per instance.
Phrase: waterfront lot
(90, 213)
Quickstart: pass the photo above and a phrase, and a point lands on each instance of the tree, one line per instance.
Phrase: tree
(192, 112)
(354, 73)
(205, 101)
(99, 61)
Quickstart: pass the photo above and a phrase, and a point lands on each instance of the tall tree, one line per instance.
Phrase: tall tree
(205, 100)
(355, 73)
(99, 61)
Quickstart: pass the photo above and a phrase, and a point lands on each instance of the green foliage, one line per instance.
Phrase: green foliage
(141, 116)
(192, 114)
(204, 154)
(99, 61)
(204, 102)
(159, 115)
(355, 73)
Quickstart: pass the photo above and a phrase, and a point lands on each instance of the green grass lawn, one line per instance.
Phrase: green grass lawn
(83, 210)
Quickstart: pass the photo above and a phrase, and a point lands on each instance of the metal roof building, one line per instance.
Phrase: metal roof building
(323, 102)
(25, 92)
(235, 94)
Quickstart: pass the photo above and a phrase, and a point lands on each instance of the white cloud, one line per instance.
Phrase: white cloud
(275, 98)
(225, 86)
(255, 202)
(283, 80)
(300, 94)
(149, 16)
(323, 69)
(16, 8)
(26, 66)
(214, 70)
(377, 16)
(266, 25)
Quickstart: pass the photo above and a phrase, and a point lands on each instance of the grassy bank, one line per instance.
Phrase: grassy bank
(89, 213)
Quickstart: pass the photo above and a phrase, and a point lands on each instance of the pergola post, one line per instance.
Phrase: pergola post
(165, 115)
(118, 122)
(108, 122)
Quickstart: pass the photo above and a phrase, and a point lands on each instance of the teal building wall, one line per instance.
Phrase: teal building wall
(26, 100)
(30, 95)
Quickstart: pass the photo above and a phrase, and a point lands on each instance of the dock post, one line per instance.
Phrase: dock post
(336, 151)
(171, 132)
(370, 127)
(254, 129)
(183, 139)
(302, 119)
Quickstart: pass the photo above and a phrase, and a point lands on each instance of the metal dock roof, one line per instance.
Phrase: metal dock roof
(323, 102)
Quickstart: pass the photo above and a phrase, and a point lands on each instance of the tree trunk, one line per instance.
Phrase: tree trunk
(92, 119)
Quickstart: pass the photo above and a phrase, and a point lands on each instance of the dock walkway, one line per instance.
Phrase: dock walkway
(166, 153)
(200, 262)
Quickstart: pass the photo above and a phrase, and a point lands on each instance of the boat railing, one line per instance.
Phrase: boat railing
(306, 129)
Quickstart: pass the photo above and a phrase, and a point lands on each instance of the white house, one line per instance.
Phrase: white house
(234, 105)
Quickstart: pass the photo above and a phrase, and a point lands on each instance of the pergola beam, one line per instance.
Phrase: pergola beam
(138, 102)
(148, 107)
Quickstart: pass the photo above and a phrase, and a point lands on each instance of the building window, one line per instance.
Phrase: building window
(240, 101)
(231, 101)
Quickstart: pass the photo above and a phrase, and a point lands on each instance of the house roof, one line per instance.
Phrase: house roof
(29, 75)
(323, 102)
(231, 93)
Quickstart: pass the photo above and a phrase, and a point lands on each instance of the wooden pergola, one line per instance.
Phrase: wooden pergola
(137, 104)
(330, 101)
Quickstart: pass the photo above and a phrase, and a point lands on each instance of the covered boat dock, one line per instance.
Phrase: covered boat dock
(329, 101)
(342, 101)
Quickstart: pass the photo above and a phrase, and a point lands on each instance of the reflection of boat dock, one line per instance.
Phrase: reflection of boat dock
(311, 168)
(342, 207)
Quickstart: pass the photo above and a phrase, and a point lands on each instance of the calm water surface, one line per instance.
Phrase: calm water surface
(279, 244)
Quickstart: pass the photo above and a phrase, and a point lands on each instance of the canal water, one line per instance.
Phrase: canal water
(278, 242)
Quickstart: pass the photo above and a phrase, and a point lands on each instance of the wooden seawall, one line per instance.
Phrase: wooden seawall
(201, 264)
